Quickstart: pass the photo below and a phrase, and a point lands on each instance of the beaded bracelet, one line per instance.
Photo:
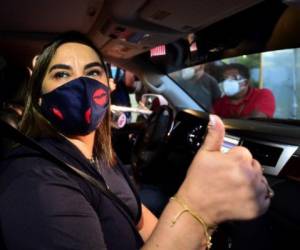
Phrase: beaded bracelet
(186, 209)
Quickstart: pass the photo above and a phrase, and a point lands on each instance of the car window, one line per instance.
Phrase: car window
(274, 85)
(126, 94)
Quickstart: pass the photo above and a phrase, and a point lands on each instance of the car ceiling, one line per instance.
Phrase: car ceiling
(120, 28)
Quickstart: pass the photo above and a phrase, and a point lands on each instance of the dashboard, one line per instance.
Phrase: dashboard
(275, 149)
(272, 156)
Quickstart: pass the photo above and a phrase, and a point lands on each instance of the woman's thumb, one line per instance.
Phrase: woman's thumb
(215, 135)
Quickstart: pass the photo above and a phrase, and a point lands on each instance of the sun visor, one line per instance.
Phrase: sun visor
(243, 33)
(198, 14)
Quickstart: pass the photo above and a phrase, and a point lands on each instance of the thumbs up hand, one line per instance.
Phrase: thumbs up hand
(222, 187)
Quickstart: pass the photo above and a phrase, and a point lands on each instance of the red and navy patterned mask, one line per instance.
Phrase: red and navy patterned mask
(77, 107)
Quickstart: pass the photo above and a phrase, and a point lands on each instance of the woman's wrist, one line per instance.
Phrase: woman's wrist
(183, 230)
(207, 229)
(202, 207)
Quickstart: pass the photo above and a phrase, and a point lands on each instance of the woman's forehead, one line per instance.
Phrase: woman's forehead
(74, 52)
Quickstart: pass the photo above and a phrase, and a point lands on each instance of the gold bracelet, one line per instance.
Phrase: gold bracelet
(186, 209)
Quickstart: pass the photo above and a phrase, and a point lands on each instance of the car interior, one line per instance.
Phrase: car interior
(157, 41)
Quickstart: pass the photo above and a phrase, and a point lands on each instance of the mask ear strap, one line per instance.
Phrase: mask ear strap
(243, 82)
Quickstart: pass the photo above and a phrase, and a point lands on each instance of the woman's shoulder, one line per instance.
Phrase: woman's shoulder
(27, 164)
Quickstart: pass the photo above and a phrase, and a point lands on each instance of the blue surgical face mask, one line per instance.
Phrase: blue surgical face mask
(232, 87)
(188, 73)
(77, 107)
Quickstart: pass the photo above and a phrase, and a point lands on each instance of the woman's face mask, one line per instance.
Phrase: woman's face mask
(77, 107)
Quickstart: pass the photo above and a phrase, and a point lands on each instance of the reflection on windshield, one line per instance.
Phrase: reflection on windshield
(265, 85)
(199, 84)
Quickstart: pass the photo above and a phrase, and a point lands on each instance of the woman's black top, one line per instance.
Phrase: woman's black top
(43, 206)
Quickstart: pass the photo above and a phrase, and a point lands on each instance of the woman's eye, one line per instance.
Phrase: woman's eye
(94, 73)
(61, 74)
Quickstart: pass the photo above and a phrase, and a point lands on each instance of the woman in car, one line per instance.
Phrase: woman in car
(46, 206)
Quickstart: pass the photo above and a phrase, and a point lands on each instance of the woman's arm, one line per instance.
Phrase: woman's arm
(147, 223)
(218, 187)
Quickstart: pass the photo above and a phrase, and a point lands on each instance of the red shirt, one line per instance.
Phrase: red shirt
(259, 100)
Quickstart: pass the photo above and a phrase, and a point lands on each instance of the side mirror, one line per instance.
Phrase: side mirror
(153, 101)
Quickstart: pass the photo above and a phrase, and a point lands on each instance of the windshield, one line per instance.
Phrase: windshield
(263, 85)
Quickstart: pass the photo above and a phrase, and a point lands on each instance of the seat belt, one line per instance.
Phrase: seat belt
(25, 140)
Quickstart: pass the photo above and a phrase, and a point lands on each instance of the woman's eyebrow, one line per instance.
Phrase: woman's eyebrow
(59, 66)
(93, 64)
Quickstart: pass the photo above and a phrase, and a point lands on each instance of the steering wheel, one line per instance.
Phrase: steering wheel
(189, 131)
(150, 143)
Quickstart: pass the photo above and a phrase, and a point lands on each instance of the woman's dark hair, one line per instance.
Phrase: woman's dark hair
(34, 124)
(13, 80)
(242, 69)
